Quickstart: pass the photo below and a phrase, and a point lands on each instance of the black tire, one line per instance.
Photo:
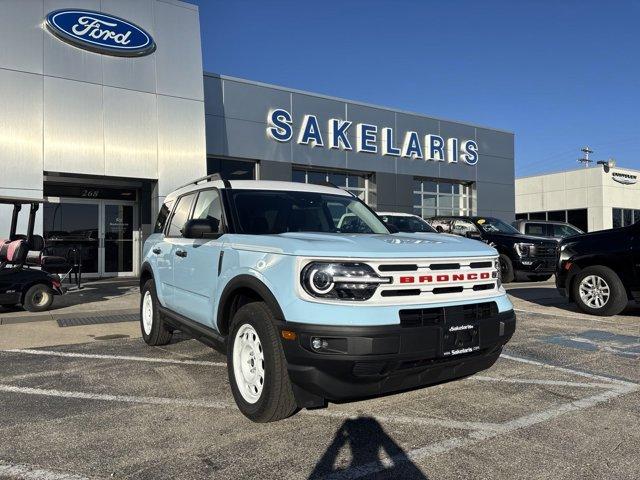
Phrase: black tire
(506, 269)
(276, 400)
(38, 298)
(539, 278)
(617, 300)
(156, 333)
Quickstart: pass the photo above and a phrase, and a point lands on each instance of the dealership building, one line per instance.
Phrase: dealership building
(595, 198)
(105, 109)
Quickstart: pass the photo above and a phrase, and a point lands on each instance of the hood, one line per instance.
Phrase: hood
(399, 245)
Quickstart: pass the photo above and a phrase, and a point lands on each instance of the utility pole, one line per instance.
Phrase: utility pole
(586, 151)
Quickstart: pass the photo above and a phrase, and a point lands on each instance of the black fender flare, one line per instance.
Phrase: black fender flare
(245, 282)
(146, 272)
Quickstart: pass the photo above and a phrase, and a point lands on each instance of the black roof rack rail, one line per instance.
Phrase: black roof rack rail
(208, 178)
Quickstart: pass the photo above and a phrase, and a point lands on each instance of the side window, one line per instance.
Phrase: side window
(180, 216)
(563, 231)
(163, 214)
(462, 227)
(209, 207)
(535, 229)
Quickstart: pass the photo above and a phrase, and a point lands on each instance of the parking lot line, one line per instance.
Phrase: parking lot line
(28, 472)
(115, 398)
(582, 318)
(528, 381)
(55, 353)
(569, 371)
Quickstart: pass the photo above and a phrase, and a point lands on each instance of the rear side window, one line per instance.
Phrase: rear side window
(180, 216)
(535, 229)
(209, 207)
(163, 214)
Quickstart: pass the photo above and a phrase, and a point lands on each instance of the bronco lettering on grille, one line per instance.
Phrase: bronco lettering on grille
(445, 277)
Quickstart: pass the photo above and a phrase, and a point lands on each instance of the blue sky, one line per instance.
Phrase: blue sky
(559, 74)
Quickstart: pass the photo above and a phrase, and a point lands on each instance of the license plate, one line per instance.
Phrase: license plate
(460, 339)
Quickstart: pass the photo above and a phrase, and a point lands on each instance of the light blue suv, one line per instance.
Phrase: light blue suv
(313, 298)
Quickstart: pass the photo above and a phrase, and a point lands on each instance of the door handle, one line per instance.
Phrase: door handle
(157, 251)
(181, 253)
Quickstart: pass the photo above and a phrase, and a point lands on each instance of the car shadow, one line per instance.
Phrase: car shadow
(548, 296)
(365, 438)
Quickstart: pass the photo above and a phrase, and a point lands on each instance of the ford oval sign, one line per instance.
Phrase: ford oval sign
(100, 33)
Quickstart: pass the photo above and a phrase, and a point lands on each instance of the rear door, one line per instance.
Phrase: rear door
(195, 267)
(173, 242)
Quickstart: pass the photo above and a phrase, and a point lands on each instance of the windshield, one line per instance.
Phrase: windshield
(408, 224)
(493, 225)
(267, 212)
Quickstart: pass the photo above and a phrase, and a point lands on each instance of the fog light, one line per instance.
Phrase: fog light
(318, 343)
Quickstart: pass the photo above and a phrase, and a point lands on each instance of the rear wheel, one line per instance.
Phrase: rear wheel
(154, 331)
(256, 365)
(506, 269)
(598, 291)
(38, 298)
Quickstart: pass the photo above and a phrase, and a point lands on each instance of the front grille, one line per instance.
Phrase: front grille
(426, 317)
(545, 250)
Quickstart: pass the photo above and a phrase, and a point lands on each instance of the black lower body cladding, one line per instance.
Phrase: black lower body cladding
(335, 363)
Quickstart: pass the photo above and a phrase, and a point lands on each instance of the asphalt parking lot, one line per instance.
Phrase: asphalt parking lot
(562, 402)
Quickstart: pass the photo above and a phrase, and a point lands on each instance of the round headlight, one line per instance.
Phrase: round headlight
(344, 281)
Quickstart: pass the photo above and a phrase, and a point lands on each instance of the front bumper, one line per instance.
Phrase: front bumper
(382, 359)
(536, 265)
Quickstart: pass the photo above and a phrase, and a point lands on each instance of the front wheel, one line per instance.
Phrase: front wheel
(256, 366)
(154, 331)
(598, 291)
(38, 298)
(506, 269)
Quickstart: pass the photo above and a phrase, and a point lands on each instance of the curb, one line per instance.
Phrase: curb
(52, 316)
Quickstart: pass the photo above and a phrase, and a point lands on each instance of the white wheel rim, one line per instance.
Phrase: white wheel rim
(594, 291)
(248, 363)
(41, 298)
(147, 313)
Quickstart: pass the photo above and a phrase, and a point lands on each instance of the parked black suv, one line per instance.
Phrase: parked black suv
(521, 256)
(546, 228)
(600, 271)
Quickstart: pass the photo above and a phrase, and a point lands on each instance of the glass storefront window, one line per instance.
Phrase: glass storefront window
(231, 169)
(361, 185)
(433, 197)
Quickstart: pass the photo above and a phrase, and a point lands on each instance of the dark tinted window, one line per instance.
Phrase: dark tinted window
(163, 214)
(180, 216)
(557, 216)
(408, 224)
(578, 218)
(522, 216)
(231, 169)
(209, 207)
(538, 216)
(538, 229)
(562, 231)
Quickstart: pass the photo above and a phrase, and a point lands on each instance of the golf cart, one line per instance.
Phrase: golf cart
(28, 275)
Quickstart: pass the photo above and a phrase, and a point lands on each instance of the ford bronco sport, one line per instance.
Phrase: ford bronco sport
(309, 311)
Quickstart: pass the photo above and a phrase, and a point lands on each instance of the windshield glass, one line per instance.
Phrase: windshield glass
(408, 224)
(266, 212)
(494, 225)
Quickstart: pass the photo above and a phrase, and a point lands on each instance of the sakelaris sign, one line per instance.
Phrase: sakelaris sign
(100, 33)
(370, 139)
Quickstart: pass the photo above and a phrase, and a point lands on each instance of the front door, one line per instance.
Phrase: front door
(104, 233)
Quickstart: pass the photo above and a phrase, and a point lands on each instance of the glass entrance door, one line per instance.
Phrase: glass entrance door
(103, 231)
(118, 242)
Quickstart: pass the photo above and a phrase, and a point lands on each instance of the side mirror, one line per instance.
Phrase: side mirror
(473, 235)
(201, 228)
(392, 228)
